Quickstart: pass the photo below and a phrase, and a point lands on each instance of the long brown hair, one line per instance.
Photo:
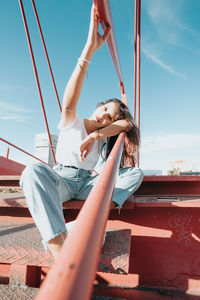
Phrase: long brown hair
(132, 139)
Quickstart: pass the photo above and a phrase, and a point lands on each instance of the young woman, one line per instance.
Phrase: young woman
(80, 144)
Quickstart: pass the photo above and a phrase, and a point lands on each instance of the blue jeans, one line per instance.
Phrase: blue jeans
(46, 189)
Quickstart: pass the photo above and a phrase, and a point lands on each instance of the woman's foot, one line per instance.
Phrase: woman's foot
(56, 243)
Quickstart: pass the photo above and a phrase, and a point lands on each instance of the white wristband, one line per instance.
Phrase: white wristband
(84, 59)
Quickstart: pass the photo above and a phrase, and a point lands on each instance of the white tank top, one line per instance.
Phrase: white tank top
(68, 146)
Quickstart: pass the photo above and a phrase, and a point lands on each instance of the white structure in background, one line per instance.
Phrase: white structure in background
(42, 147)
(184, 166)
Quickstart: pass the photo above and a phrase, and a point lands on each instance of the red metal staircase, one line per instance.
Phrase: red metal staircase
(151, 249)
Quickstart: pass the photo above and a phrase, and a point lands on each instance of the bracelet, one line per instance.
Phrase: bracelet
(84, 59)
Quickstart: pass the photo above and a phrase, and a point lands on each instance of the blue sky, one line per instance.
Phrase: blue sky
(170, 64)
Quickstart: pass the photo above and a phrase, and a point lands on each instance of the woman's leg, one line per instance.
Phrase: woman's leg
(56, 243)
(128, 181)
(43, 189)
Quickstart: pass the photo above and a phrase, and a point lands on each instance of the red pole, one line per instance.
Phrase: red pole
(105, 16)
(135, 56)
(7, 152)
(21, 150)
(36, 76)
(138, 72)
(45, 50)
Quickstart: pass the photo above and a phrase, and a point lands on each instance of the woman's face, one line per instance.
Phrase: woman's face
(106, 114)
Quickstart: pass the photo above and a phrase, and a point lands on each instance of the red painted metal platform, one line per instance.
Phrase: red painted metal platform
(10, 167)
(160, 223)
(21, 244)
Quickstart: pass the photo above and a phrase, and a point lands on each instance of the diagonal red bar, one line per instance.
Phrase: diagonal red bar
(5, 141)
(105, 16)
(46, 53)
(36, 77)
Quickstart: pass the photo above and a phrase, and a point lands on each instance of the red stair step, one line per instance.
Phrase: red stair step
(20, 244)
(116, 251)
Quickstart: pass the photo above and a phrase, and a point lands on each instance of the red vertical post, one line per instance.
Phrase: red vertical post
(7, 152)
(138, 72)
(135, 57)
(36, 76)
(46, 53)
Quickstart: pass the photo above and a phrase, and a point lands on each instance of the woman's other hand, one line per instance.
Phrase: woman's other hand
(87, 144)
(95, 39)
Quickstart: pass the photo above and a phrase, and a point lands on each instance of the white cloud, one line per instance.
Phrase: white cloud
(157, 152)
(160, 63)
(161, 11)
(13, 107)
(166, 16)
(169, 142)
(151, 51)
(14, 112)
(14, 117)
(187, 28)
(157, 9)
(163, 15)
(5, 87)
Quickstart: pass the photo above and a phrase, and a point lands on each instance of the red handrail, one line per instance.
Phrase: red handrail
(74, 270)
(5, 141)
(46, 53)
(73, 273)
(36, 76)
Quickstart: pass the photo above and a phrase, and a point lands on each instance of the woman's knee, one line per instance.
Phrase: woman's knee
(139, 173)
(131, 172)
(137, 177)
(130, 178)
(31, 172)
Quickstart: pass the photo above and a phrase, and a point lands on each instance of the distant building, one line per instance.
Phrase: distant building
(189, 173)
(42, 147)
(183, 167)
(150, 172)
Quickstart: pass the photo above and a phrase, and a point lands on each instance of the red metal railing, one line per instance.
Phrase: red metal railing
(5, 141)
(37, 80)
(74, 271)
(105, 16)
(36, 77)
(46, 53)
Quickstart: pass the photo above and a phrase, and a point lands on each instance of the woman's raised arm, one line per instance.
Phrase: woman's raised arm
(75, 83)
